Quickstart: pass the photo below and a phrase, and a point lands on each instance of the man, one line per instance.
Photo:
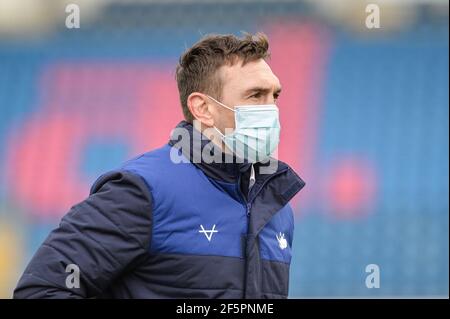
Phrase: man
(205, 216)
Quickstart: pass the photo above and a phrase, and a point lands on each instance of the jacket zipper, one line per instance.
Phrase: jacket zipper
(250, 186)
(248, 204)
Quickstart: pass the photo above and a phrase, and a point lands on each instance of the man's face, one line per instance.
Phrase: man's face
(251, 84)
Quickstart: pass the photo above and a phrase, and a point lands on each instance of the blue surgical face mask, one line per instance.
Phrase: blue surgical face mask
(257, 131)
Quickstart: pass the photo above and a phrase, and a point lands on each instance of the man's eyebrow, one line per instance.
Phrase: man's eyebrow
(262, 90)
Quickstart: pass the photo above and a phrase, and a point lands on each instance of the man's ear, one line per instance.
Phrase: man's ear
(199, 107)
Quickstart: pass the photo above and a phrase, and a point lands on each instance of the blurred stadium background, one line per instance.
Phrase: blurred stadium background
(364, 115)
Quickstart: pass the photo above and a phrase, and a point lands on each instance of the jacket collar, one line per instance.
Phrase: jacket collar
(228, 171)
(287, 184)
(193, 143)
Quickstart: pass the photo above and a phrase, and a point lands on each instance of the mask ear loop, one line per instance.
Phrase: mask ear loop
(221, 134)
(225, 106)
(220, 103)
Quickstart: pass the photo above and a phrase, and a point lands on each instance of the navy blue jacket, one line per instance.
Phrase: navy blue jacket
(155, 228)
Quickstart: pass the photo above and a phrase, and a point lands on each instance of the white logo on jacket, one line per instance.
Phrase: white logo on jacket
(208, 232)
(282, 242)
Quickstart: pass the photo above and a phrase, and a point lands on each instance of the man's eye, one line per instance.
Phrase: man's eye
(275, 96)
(255, 96)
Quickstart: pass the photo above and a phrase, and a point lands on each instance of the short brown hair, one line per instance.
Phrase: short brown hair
(197, 67)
